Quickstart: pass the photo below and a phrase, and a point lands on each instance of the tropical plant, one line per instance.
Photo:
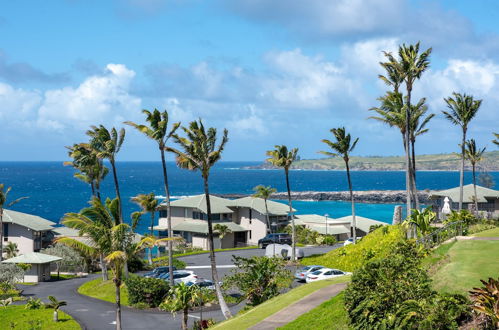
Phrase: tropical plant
(34, 303)
(10, 273)
(496, 140)
(343, 146)
(181, 298)
(3, 199)
(421, 220)
(199, 152)
(148, 203)
(158, 131)
(150, 291)
(5, 302)
(284, 158)
(11, 250)
(71, 258)
(464, 215)
(462, 109)
(91, 168)
(107, 144)
(153, 241)
(258, 278)
(265, 193)
(474, 155)
(55, 305)
(221, 230)
(486, 300)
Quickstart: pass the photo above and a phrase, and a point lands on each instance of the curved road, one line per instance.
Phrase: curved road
(94, 314)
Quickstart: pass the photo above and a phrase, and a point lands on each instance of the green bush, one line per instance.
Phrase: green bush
(163, 261)
(329, 240)
(304, 235)
(373, 246)
(395, 293)
(476, 228)
(136, 264)
(150, 291)
(33, 303)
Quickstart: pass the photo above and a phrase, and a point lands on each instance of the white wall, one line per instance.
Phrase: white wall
(256, 225)
(22, 236)
(37, 273)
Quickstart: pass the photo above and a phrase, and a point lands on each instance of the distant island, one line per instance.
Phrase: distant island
(436, 162)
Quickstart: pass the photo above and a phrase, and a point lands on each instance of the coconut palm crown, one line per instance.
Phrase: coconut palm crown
(474, 155)
(265, 193)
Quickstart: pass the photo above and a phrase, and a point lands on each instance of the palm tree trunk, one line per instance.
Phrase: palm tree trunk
(408, 175)
(1, 234)
(92, 186)
(461, 174)
(185, 318)
(117, 187)
(125, 269)
(414, 185)
(103, 267)
(223, 306)
(474, 188)
(293, 234)
(267, 216)
(168, 217)
(354, 221)
(117, 285)
(149, 250)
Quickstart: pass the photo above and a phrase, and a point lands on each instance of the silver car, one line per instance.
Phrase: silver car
(301, 274)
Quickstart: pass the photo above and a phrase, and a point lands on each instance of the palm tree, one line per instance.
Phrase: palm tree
(199, 152)
(265, 193)
(148, 203)
(91, 169)
(107, 144)
(421, 220)
(153, 241)
(343, 146)
(158, 131)
(463, 108)
(3, 199)
(474, 155)
(55, 305)
(221, 230)
(11, 250)
(182, 298)
(496, 140)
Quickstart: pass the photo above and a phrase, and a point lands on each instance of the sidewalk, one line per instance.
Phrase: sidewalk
(302, 306)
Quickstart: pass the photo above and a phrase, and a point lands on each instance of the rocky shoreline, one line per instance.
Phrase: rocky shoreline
(371, 196)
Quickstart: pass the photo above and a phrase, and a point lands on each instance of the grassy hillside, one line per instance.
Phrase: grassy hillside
(394, 163)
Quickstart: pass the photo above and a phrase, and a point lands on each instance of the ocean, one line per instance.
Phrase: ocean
(53, 191)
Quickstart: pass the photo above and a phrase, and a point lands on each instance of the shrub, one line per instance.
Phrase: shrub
(375, 245)
(304, 235)
(486, 300)
(33, 303)
(11, 273)
(136, 264)
(150, 291)
(476, 228)
(203, 324)
(395, 293)
(329, 240)
(258, 278)
(179, 264)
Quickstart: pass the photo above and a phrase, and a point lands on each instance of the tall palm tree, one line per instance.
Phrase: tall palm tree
(91, 169)
(182, 298)
(463, 108)
(265, 193)
(199, 152)
(281, 157)
(148, 203)
(158, 131)
(496, 140)
(343, 146)
(3, 199)
(418, 128)
(107, 144)
(474, 155)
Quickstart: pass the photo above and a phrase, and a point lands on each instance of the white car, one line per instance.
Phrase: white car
(324, 274)
(350, 241)
(301, 274)
(180, 276)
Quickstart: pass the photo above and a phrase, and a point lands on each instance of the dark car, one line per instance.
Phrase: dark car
(158, 271)
(278, 238)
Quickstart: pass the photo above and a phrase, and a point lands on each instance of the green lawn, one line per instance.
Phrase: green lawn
(468, 262)
(103, 290)
(329, 315)
(488, 233)
(17, 317)
(260, 312)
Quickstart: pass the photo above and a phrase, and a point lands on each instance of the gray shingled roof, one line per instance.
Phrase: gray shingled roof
(30, 221)
(258, 204)
(331, 230)
(468, 194)
(218, 204)
(32, 258)
(362, 223)
(201, 226)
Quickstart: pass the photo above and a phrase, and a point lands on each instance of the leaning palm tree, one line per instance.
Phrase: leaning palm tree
(496, 140)
(265, 193)
(474, 155)
(11, 250)
(3, 199)
(55, 305)
(148, 203)
(107, 144)
(343, 146)
(463, 108)
(281, 157)
(199, 152)
(158, 131)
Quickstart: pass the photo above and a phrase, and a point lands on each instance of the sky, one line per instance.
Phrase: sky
(270, 71)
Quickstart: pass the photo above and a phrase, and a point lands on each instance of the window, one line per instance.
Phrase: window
(250, 215)
(250, 234)
(5, 232)
(329, 273)
(163, 213)
(215, 217)
(337, 272)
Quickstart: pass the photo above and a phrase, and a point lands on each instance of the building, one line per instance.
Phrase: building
(31, 233)
(40, 266)
(488, 199)
(245, 217)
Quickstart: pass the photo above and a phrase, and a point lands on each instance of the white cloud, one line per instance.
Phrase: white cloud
(248, 124)
(17, 104)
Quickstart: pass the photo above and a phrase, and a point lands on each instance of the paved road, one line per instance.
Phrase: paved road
(96, 314)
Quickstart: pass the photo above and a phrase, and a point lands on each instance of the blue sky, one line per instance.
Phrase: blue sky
(272, 72)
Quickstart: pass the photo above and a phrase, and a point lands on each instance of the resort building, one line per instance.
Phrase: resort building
(40, 266)
(31, 233)
(488, 200)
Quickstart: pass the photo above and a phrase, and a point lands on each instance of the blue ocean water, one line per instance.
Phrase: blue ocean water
(53, 191)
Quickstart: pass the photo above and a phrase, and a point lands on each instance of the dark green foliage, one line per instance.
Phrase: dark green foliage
(163, 261)
(259, 278)
(136, 264)
(395, 292)
(150, 291)
(329, 240)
